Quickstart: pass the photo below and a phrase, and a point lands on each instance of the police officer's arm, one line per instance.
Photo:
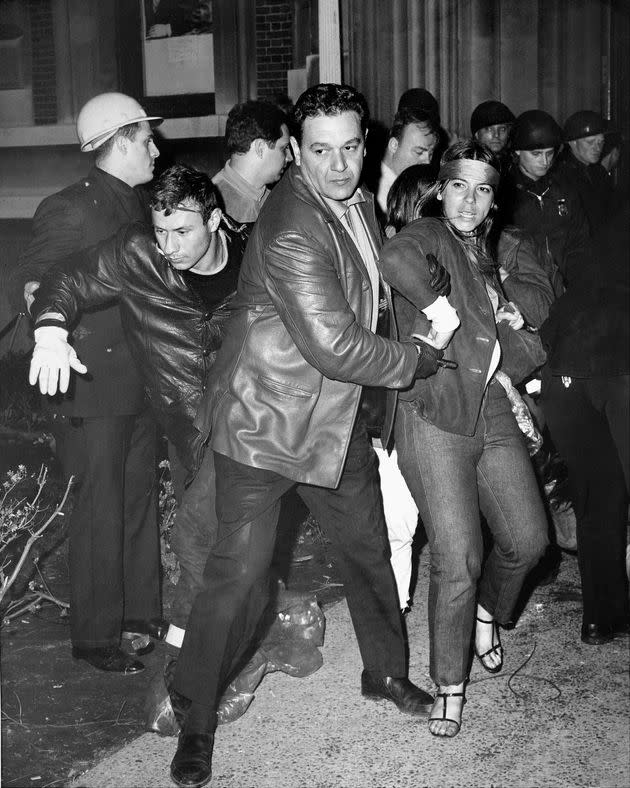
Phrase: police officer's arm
(307, 293)
(577, 249)
(524, 279)
(56, 234)
(90, 279)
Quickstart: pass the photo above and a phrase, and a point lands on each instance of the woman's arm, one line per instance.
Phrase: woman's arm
(405, 266)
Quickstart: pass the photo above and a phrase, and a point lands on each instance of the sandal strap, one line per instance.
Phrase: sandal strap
(444, 718)
(498, 648)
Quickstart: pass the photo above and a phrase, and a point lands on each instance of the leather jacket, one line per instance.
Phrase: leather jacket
(173, 339)
(285, 388)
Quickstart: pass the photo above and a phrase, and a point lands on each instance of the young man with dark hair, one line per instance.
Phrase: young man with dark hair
(282, 411)
(173, 285)
(257, 141)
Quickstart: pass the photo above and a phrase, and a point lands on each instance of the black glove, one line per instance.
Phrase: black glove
(440, 278)
(428, 359)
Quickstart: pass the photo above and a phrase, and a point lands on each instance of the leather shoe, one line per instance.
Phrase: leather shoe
(192, 764)
(596, 634)
(409, 698)
(110, 658)
(156, 627)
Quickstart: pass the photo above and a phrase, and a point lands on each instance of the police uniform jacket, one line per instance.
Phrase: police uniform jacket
(550, 210)
(65, 224)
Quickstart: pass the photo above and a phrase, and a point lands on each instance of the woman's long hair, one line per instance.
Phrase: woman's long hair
(405, 194)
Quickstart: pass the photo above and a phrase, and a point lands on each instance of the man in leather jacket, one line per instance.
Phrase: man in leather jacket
(281, 410)
(173, 297)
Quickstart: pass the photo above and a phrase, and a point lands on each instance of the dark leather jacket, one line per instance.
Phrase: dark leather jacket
(172, 338)
(285, 388)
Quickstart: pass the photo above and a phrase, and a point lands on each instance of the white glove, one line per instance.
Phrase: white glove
(53, 357)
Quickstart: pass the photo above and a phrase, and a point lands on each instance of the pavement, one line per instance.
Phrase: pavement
(556, 716)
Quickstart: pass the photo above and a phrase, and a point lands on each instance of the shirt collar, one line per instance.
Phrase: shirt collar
(340, 207)
(244, 185)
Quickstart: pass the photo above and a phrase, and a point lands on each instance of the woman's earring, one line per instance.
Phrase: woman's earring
(439, 197)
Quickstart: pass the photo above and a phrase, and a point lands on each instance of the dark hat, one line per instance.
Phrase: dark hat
(490, 113)
(584, 124)
(535, 129)
(419, 100)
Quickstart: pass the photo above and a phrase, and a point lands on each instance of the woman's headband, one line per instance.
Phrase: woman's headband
(469, 169)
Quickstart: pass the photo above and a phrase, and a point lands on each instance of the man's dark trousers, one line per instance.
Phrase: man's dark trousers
(114, 540)
(226, 614)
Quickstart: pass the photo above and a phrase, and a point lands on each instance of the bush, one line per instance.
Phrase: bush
(20, 403)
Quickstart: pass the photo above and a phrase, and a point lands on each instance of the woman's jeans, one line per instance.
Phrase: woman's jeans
(451, 478)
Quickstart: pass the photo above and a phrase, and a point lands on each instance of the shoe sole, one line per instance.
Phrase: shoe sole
(423, 710)
(189, 784)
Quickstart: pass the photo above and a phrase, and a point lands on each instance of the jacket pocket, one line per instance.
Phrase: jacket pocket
(283, 389)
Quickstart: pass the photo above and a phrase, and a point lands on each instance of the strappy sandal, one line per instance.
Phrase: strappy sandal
(496, 649)
(445, 696)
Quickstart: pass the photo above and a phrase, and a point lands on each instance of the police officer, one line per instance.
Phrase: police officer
(584, 133)
(490, 124)
(104, 435)
(539, 198)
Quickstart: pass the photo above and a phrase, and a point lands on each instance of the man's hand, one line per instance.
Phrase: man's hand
(510, 314)
(30, 288)
(440, 278)
(53, 358)
(428, 359)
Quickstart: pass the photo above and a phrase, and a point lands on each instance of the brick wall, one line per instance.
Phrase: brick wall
(274, 46)
(44, 80)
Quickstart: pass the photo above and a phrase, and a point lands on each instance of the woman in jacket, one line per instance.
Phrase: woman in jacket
(459, 446)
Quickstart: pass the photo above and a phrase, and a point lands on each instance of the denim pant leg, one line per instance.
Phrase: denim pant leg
(511, 503)
(440, 470)
(194, 533)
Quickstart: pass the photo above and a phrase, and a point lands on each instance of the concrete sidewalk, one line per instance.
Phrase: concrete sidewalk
(557, 715)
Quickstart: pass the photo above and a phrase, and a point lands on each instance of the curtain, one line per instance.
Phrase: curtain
(85, 52)
(544, 54)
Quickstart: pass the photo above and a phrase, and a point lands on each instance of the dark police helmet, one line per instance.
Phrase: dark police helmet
(490, 113)
(584, 124)
(535, 130)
